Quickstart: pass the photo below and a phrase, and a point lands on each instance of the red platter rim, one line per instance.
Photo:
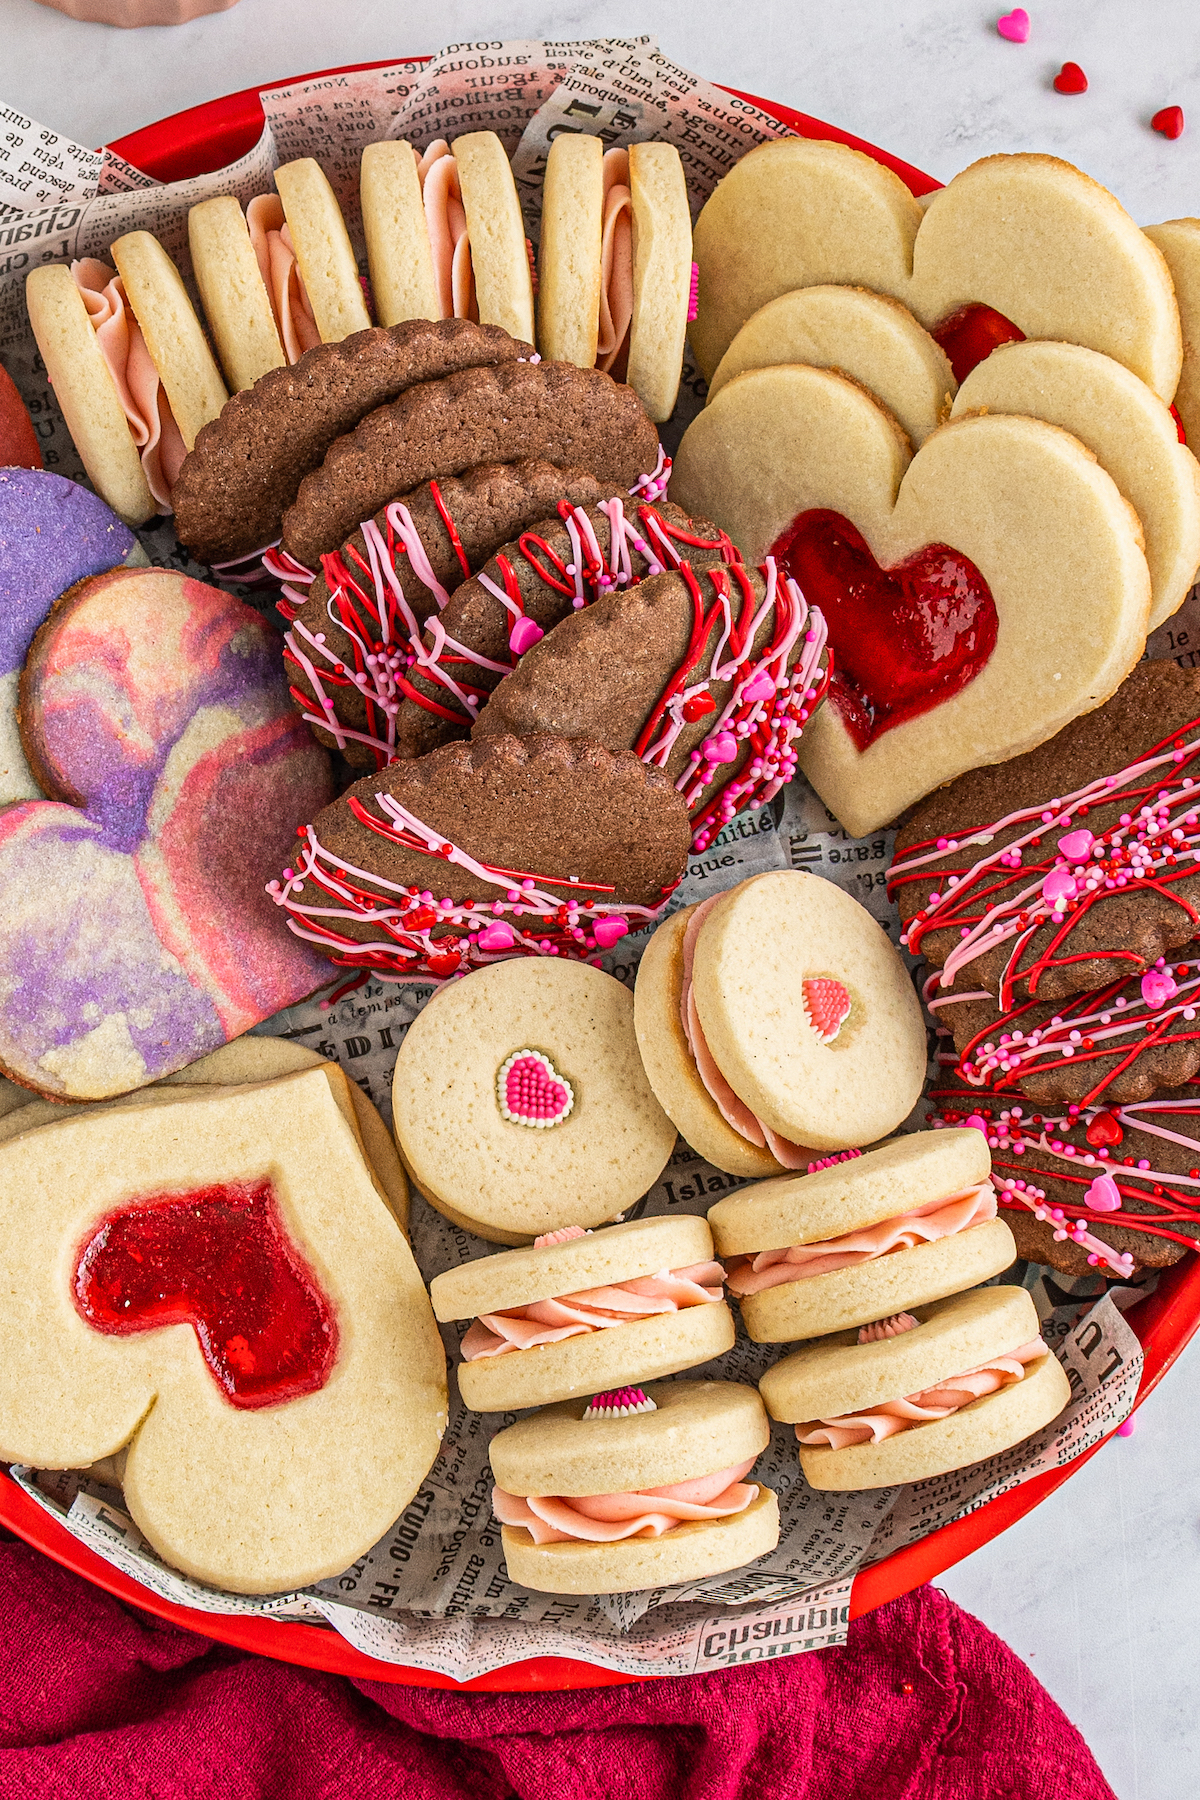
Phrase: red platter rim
(197, 141)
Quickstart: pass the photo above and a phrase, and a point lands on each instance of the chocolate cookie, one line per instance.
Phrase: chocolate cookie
(1119, 1042)
(554, 412)
(1046, 875)
(479, 852)
(1149, 1210)
(558, 567)
(243, 473)
(709, 677)
(348, 648)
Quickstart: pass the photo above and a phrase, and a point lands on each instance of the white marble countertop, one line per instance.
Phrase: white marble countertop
(1099, 1586)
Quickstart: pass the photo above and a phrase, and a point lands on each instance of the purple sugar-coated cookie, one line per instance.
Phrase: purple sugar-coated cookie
(52, 533)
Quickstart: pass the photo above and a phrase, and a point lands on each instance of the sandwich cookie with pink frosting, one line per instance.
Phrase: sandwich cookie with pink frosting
(130, 367)
(920, 1393)
(615, 264)
(445, 235)
(638, 1488)
(777, 1024)
(582, 1311)
(910, 1222)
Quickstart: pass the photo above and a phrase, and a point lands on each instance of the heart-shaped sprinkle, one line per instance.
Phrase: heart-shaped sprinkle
(761, 688)
(443, 963)
(1070, 79)
(720, 749)
(1076, 845)
(530, 1091)
(697, 705)
(1169, 121)
(1158, 987)
(1014, 25)
(1059, 886)
(497, 937)
(827, 1004)
(524, 635)
(1104, 1195)
(1104, 1132)
(607, 931)
(977, 1123)
(619, 1403)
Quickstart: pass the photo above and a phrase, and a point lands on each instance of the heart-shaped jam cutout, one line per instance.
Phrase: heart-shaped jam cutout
(904, 640)
(970, 335)
(530, 1091)
(221, 1260)
(827, 1004)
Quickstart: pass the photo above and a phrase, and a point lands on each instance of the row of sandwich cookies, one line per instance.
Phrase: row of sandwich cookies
(910, 1370)
(136, 377)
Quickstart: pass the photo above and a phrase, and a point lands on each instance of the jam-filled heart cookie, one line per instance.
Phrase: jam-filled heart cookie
(977, 597)
(520, 1104)
(217, 1286)
(135, 934)
(508, 847)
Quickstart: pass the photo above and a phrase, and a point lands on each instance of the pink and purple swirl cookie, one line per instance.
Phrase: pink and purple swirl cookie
(135, 935)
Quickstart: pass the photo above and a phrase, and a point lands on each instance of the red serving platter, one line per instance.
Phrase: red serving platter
(192, 143)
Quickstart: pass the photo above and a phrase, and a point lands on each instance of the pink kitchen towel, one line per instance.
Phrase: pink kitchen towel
(102, 1702)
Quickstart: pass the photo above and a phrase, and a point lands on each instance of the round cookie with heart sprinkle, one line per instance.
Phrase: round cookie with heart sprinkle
(520, 1103)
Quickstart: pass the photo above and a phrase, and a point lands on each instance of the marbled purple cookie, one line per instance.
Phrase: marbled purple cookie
(135, 932)
(52, 534)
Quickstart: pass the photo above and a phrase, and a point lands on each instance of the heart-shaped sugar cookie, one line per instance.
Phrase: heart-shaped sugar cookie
(1020, 592)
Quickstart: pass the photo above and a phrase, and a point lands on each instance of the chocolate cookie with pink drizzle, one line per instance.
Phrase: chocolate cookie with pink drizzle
(680, 1451)
(583, 1311)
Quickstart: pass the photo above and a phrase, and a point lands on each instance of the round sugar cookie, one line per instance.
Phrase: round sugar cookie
(236, 303)
(600, 1258)
(585, 1136)
(696, 1428)
(323, 249)
(759, 953)
(669, 1064)
(503, 282)
(869, 337)
(85, 392)
(569, 252)
(1129, 431)
(177, 344)
(1179, 242)
(662, 275)
(393, 214)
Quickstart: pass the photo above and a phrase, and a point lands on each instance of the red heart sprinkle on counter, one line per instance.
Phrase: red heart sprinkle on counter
(1071, 79)
(1169, 122)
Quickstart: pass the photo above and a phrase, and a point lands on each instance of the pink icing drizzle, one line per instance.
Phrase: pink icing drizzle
(735, 1112)
(607, 1518)
(446, 222)
(272, 241)
(937, 1402)
(142, 395)
(616, 264)
(924, 1225)
(594, 1309)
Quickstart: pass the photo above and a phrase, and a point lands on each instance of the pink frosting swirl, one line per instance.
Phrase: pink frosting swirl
(446, 223)
(925, 1225)
(594, 1309)
(272, 241)
(648, 1513)
(735, 1112)
(937, 1402)
(616, 266)
(143, 397)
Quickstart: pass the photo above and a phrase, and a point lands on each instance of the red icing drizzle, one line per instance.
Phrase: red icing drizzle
(971, 334)
(904, 640)
(218, 1259)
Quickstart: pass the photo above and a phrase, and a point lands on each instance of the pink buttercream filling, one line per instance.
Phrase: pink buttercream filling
(924, 1225)
(446, 222)
(143, 397)
(272, 241)
(606, 1518)
(931, 1403)
(616, 265)
(735, 1112)
(595, 1309)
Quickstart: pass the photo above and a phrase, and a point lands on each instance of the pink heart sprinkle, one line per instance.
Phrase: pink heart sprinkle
(1158, 987)
(1077, 844)
(720, 749)
(524, 635)
(1058, 885)
(761, 688)
(1014, 25)
(497, 937)
(607, 931)
(1104, 1195)
(532, 1092)
(978, 1123)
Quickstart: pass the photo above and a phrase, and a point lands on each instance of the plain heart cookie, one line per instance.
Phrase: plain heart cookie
(977, 597)
(1029, 237)
(216, 1284)
(135, 934)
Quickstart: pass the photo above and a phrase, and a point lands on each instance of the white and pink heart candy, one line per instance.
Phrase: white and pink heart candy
(530, 1091)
